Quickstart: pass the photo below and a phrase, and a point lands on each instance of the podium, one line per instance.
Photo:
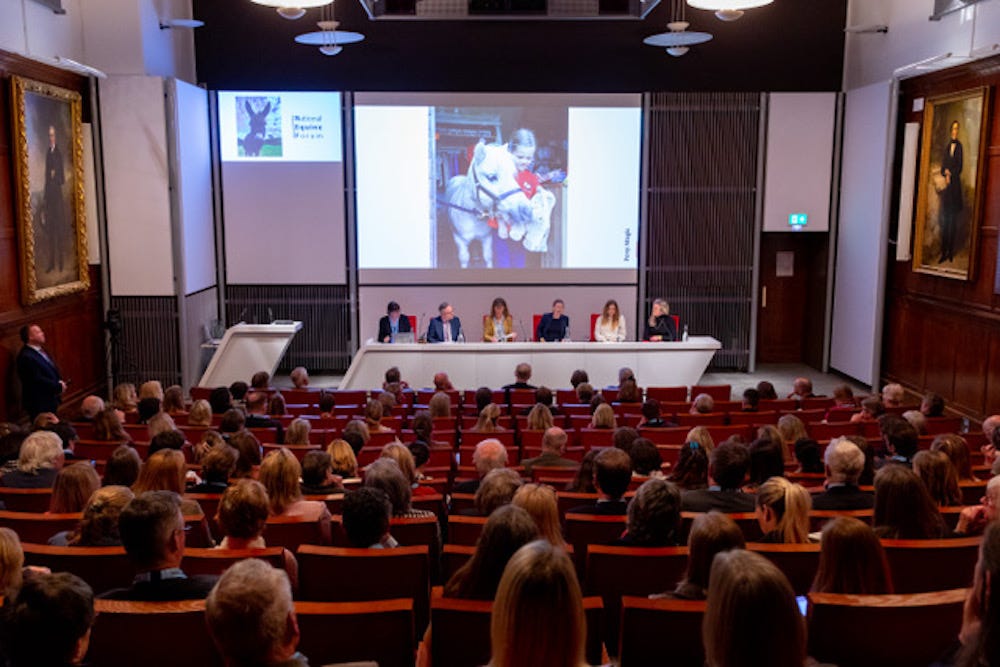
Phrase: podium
(248, 348)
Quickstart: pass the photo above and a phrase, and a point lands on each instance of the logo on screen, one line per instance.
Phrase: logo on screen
(258, 126)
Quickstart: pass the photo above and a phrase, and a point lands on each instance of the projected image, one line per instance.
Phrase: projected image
(499, 181)
(258, 126)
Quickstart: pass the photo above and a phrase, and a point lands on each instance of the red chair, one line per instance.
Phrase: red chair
(152, 634)
(104, 568)
(649, 628)
(453, 557)
(465, 530)
(798, 562)
(593, 323)
(668, 394)
(719, 392)
(536, 319)
(920, 566)
(25, 500)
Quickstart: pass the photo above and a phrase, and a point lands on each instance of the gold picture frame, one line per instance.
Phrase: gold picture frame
(49, 189)
(948, 209)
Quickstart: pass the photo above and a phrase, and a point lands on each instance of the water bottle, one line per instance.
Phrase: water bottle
(566, 337)
(461, 337)
(684, 336)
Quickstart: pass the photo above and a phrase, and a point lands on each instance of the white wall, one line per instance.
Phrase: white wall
(30, 29)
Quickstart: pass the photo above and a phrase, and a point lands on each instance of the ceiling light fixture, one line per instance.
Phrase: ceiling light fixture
(329, 40)
(728, 10)
(678, 41)
(292, 9)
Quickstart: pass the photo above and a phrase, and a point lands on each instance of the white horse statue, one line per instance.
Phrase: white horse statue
(486, 198)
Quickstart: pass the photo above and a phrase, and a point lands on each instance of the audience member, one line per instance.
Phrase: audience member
(442, 383)
(539, 500)
(691, 471)
(544, 396)
(298, 432)
(250, 453)
(751, 616)
(844, 465)
(904, 510)
(233, 421)
(122, 467)
(654, 516)
(166, 471)
(497, 489)
(766, 391)
(807, 453)
(421, 454)
(38, 464)
(237, 394)
(488, 417)
(851, 560)
(261, 380)
(125, 397)
(603, 418)
(221, 400)
(404, 459)
(583, 482)
(280, 473)
(98, 526)
(48, 623)
(751, 400)
(251, 617)
(108, 427)
(90, 407)
(629, 392)
(169, 439)
(242, 516)
(394, 376)
(326, 402)
(423, 427)
(802, 388)
(711, 533)
(702, 404)
(727, 469)
(217, 466)
(276, 406)
(74, 486)
(11, 566)
(540, 418)
(899, 438)
(646, 459)
(578, 377)
(871, 409)
(508, 529)
(257, 416)
(385, 474)
(651, 417)
(484, 396)
(440, 405)
(538, 585)
(342, 459)
(299, 377)
(373, 417)
(957, 450)
(366, 515)
(148, 408)
(766, 461)
(916, 419)
(356, 430)
(701, 435)
(200, 414)
(152, 532)
(868, 472)
(893, 395)
(783, 512)
(488, 455)
(553, 447)
(939, 476)
(623, 437)
(584, 393)
(317, 475)
(522, 373)
(980, 633)
(791, 429)
(974, 519)
(612, 474)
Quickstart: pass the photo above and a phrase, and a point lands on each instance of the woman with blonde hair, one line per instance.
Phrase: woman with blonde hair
(99, 525)
(610, 326)
(488, 417)
(540, 502)
(939, 476)
(165, 470)
(700, 435)
(151, 389)
(173, 401)
(660, 326)
(539, 584)
(404, 459)
(342, 459)
(280, 473)
(783, 511)
(359, 427)
(540, 418)
(604, 417)
(297, 432)
(200, 413)
(771, 432)
(373, 417)
(791, 429)
(11, 563)
(74, 486)
(125, 398)
(159, 423)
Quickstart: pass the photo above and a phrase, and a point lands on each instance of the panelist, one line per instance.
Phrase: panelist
(610, 326)
(498, 326)
(393, 323)
(660, 325)
(554, 326)
(445, 328)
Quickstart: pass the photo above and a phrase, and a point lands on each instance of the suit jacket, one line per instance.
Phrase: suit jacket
(263, 421)
(704, 500)
(552, 330)
(16, 479)
(470, 486)
(40, 388)
(385, 329)
(847, 497)
(435, 332)
(548, 459)
(605, 508)
(191, 588)
(489, 328)
(664, 326)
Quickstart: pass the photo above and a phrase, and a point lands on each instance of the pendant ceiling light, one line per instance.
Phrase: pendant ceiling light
(678, 41)
(292, 9)
(329, 40)
(728, 10)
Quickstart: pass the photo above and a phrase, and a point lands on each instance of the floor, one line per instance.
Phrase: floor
(781, 375)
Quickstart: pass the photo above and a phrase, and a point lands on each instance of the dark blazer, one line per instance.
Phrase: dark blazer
(385, 329)
(704, 500)
(552, 330)
(605, 508)
(16, 479)
(40, 388)
(209, 487)
(193, 588)
(664, 327)
(263, 421)
(470, 486)
(848, 497)
(435, 332)
(548, 459)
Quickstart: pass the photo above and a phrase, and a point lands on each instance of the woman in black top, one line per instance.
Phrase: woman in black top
(660, 325)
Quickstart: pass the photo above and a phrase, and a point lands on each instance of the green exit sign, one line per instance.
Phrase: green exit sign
(797, 220)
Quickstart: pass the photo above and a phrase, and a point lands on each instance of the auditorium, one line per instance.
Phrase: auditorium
(499, 332)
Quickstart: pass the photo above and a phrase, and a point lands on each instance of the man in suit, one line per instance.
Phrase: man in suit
(727, 468)
(445, 328)
(490, 454)
(257, 416)
(844, 463)
(553, 447)
(951, 195)
(56, 228)
(612, 474)
(41, 384)
(394, 322)
(152, 532)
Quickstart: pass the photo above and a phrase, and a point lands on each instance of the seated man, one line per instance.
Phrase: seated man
(802, 388)
(522, 373)
(251, 617)
(392, 323)
(844, 462)
(974, 518)
(366, 517)
(445, 328)
(544, 396)
(317, 475)
(612, 474)
(893, 395)
(553, 446)
(257, 416)
(217, 466)
(299, 377)
(49, 621)
(152, 532)
(90, 407)
(900, 439)
(932, 405)
(727, 469)
(702, 404)
(751, 400)
(260, 380)
(651, 416)
(489, 455)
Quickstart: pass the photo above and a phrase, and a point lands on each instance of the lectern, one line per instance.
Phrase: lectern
(248, 348)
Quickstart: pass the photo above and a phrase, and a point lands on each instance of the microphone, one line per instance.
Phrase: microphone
(242, 315)
(520, 326)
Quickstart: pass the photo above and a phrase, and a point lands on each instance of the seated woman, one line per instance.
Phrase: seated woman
(243, 512)
(554, 326)
(74, 486)
(125, 398)
(783, 512)
(122, 467)
(373, 417)
(108, 427)
(751, 616)
(276, 405)
(385, 474)
(904, 510)
(404, 459)
(11, 563)
(981, 617)
(297, 432)
(604, 417)
(654, 516)
(939, 476)
(629, 392)
(488, 417)
(173, 401)
(539, 584)
(646, 459)
(957, 449)
(583, 482)
(540, 418)
(496, 490)
(660, 326)
(701, 435)
(99, 525)
(217, 466)
(498, 326)
(280, 473)
(691, 471)
(342, 459)
(851, 560)
(508, 529)
(610, 326)
(871, 410)
(791, 429)
(710, 534)
(166, 471)
(539, 500)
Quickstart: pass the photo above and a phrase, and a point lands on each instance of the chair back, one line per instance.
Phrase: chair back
(586, 529)
(417, 531)
(104, 568)
(747, 521)
(718, 392)
(152, 634)
(465, 530)
(651, 629)
(380, 631)
(798, 562)
(290, 532)
(216, 561)
(453, 557)
(920, 566)
(668, 394)
(25, 500)
(462, 501)
(38, 527)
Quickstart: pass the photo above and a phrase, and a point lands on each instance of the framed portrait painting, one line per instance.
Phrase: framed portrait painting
(950, 183)
(48, 173)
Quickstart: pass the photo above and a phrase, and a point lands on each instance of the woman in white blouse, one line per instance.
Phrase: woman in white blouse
(610, 326)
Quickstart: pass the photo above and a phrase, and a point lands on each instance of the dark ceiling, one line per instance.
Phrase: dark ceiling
(791, 45)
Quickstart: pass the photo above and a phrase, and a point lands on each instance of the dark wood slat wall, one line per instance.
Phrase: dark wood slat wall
(944, 335)
(72, 323)
(702, 199)
(149, 345)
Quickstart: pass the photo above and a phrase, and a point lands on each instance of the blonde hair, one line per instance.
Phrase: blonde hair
(342, 458)
(200, 414)
(243, 509)
(159, 423)
(100, 516)
(373, 414)
(701, 435)
(402, 456)
(74, 486)
(41, 449)
(359, 427)
(11, 562)
(604, 313)
(540, 418)
(604, 417)
(539, 584)
(791, 428)
(279, 473)
(540, 502)
(151, 389)
(162, 471)
(173, 399)
(440, 405)
(790, 503)
(125, 397)
(488, 416)
(297, 432)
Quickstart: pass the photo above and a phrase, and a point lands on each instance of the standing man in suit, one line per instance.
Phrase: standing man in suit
(951, 196)
(394, 322)
(41, 384)
(445, 328)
